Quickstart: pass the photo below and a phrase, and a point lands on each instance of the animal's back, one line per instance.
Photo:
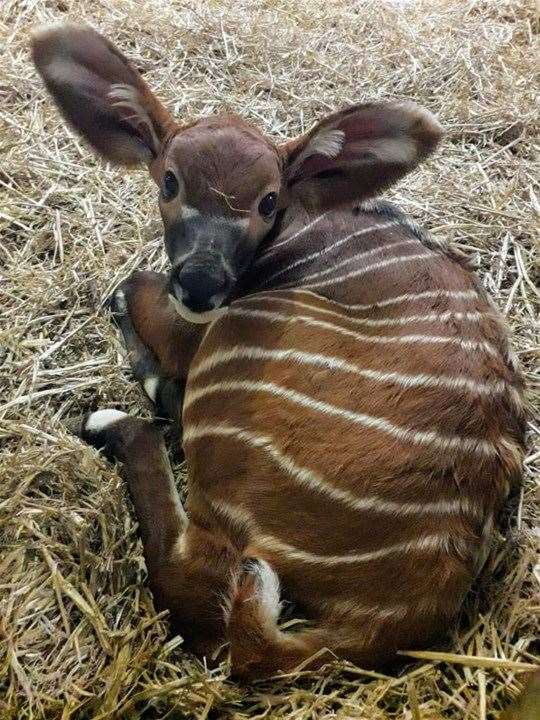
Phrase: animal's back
(365, 423)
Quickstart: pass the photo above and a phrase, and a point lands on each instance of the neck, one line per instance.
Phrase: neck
(334, 254)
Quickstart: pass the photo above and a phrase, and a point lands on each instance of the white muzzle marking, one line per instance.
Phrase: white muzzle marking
(197, 318)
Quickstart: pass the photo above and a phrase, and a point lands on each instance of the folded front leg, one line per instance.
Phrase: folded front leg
(190, 564)
(160, 344)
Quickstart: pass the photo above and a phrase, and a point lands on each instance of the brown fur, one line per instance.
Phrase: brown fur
(370, 496)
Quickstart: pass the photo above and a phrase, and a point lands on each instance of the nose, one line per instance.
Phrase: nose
(199, 288)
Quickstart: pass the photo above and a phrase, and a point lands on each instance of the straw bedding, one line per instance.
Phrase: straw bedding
(79, 637)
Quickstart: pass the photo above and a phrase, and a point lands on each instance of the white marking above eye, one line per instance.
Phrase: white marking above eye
(188, 212)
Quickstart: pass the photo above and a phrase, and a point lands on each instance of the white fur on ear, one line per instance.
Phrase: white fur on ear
(62, 71)
(400, 150)
(128, 97)
(327, 142)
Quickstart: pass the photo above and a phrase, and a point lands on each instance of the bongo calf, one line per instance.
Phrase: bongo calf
(353, 417)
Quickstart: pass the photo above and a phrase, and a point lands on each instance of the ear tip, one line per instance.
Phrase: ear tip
(45, 32)
(44, 37)
(424, 121)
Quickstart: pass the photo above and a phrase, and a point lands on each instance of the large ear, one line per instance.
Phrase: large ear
(357, 152)
(100, 94)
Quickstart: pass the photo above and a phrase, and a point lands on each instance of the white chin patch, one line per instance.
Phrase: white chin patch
(197, 318)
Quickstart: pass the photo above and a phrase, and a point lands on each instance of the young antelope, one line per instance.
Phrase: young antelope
(351, 413)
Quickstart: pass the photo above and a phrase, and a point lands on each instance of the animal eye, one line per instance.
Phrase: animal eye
(267, 206)
(170, 186)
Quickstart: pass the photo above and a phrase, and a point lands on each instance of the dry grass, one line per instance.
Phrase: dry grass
(79, 636)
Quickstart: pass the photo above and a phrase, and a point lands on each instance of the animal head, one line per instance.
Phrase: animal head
(222, 182)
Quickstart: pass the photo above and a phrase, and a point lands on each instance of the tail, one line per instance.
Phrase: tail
(259, 649)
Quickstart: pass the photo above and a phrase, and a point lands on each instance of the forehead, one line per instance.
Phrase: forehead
(224, 160)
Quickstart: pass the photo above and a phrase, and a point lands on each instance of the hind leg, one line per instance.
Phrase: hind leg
(159, 343)
(258, 647)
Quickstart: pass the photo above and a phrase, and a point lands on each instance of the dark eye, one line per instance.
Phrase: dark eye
(170, 186)
(267, 206)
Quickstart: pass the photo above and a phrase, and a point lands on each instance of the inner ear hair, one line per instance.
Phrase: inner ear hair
(127, 97)
(100, 93)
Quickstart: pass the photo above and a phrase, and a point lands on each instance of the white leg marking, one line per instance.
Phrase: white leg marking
(121, 302)
(268, 594)
(173, 492)
(180, 547)
(312, 480)
(100, 419)
(404, 434)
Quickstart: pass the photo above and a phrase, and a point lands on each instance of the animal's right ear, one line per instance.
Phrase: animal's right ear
(101, 94)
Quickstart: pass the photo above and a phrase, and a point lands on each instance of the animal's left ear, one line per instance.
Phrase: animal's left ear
(356, 153)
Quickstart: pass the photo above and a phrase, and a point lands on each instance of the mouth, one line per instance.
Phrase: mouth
(197, 318)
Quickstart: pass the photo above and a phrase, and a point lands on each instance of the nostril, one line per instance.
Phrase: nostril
(198, 289)
(195, 294)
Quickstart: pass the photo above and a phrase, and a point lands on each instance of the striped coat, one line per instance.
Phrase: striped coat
(355, 420)
(352, 422)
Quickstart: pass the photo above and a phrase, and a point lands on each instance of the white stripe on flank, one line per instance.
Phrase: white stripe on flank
(407, 297)
(314, 481)
(361, 271)
(463, 343)
(331, 362)
(450, 294)
(430, 317)
(424, 544)
(290, 552)
(338, 243)
(404, 434)
(292, 237)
